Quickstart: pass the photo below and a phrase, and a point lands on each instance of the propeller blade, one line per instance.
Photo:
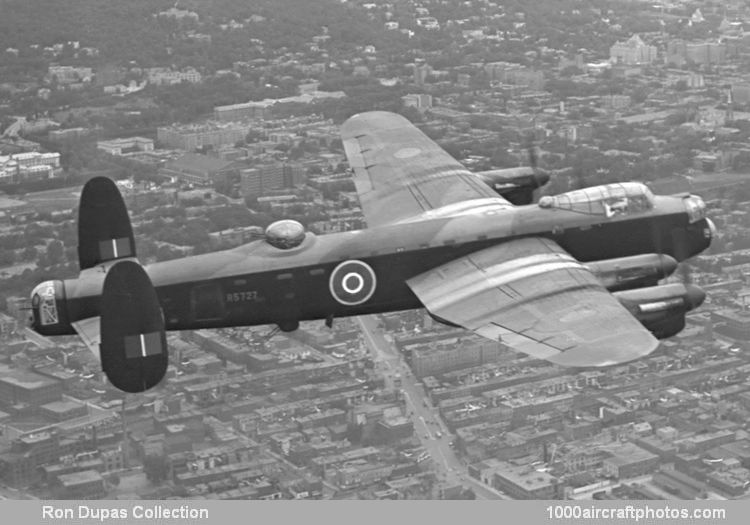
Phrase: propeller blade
(685, 273)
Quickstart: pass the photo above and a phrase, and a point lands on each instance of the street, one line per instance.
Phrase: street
(429, 427)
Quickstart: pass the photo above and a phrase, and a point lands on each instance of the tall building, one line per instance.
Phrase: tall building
(421, 72)
(436, 359)
(256, 182)
(421, 101)
(707, 53)
(632, 52)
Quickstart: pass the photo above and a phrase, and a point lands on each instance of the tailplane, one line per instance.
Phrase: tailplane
(129, 331)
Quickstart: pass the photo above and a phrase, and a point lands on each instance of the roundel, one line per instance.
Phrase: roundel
(352, 282)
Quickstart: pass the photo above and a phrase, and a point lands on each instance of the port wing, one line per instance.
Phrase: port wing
(400, 173)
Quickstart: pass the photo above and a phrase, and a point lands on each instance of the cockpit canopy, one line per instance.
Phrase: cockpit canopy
(610, 200)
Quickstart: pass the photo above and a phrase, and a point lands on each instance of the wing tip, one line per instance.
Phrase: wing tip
(604, 353)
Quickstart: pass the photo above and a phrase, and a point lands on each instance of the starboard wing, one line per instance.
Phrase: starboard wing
(536, 298)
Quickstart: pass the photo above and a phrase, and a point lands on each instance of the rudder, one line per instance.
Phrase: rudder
(104, 229)
(133, 344)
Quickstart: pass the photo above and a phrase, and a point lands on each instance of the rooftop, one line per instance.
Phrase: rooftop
(79, 478)
(526, 477)
(27, 380)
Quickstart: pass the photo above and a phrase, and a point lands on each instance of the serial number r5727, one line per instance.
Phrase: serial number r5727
(237, 297)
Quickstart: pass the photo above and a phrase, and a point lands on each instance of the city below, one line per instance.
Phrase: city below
(217, 120)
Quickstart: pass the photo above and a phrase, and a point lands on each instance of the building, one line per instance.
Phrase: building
(124, 146)
(421, 101)
(20, 387)
(706, 53)
(163, 76)
(20, 466)
(514, 74)
(632, 52)
(69, 464)
(63, 410)
(731, 323)
(359, 475)
(616, 101)
(256, 182)
(191, 137)
(740, 93)
(179, 14)
(421, 72)
(198, 169)
(629, 461)
(87, 484)
(258, 110)
(63, 135)
(31, 165)
(69, 74)
(437, 358)
(525, 482)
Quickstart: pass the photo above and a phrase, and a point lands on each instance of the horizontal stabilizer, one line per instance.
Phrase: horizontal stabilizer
(104, 230)
(133, 342)
(88, 330)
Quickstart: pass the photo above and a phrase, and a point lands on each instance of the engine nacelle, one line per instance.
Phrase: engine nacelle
(626, 273)
(517, 185)
(662, 309)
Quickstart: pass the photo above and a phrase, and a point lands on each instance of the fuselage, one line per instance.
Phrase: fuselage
(258, 283)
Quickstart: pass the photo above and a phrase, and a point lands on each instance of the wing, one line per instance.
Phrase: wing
(400, 173)
(539, 300)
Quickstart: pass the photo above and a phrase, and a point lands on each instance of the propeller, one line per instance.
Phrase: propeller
(683, 274)
(541, 177)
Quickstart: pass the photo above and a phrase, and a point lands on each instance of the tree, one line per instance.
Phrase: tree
(54, 254)
(29, 254)
(156, 468)
(114, 479)
(7, 257)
